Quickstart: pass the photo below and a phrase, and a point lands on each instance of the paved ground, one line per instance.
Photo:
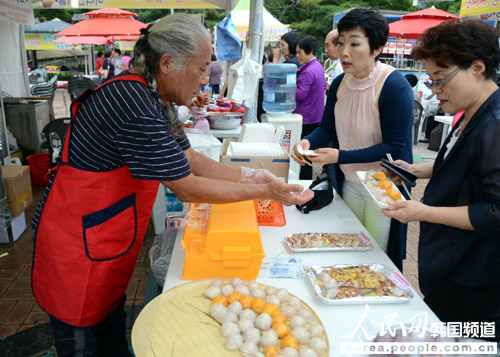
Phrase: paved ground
(18, 309)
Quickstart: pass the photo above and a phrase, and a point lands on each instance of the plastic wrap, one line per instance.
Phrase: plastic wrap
(327, 242)
(358, 284)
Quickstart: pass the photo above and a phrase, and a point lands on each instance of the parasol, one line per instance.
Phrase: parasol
(414, 24)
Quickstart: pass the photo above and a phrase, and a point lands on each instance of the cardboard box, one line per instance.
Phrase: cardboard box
(18, 225)
(278, 165)
(18, 184)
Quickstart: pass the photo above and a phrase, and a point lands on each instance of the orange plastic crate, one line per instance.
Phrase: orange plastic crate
(269, 213)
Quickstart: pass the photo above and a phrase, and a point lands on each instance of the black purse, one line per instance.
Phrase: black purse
(323, 194)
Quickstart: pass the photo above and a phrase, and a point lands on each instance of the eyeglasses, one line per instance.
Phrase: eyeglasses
(440, 83)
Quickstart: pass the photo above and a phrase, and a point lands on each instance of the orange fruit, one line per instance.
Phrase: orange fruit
(246, 301)
(270, 351)
(394, 194)
(279, 317)
(282, 329)
(221, 299)
(270, 309)
(386, 185)
(234, 296)
(380, 176)
(289, 341)
(258, 305)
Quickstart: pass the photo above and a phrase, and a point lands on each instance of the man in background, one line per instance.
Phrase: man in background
(98, 64)
(331, 50)
(119, 62)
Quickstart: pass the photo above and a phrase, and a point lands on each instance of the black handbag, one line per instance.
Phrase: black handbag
(323, 194)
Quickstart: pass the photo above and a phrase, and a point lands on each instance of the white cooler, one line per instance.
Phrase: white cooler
(293, 129)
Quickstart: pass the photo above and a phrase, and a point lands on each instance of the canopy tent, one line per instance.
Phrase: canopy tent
(42, 36)
(273, 28)
(414, 24)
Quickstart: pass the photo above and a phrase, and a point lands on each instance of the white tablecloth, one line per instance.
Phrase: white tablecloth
(340, 321)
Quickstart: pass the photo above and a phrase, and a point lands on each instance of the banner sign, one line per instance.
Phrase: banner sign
(271, 33)
(478, 7)
(17, 11)
(123, 4)
(43, 41)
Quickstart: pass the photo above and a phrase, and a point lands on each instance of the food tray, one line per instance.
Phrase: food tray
(327, 242)
(358, 284)
(361, 176)
(178, 323)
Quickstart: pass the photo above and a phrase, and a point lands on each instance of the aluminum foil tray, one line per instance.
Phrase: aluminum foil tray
(327, 242)
(358, 284)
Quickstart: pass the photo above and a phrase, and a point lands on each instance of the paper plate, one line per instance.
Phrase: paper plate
(177, 323)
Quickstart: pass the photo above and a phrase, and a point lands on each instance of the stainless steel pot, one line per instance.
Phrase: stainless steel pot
(225, 121)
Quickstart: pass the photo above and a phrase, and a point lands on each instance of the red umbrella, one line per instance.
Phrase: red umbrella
(84, 40)
(431, 12)
(110, 12)
(105, 22)
(413, 25)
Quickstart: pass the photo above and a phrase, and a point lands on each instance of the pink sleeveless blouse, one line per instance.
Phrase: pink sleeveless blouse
(357, 118)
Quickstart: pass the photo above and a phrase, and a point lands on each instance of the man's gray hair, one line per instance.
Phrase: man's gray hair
(180, 35)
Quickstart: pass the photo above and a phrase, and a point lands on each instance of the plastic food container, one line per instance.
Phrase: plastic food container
(225, 243)
(362, 175)
(224, 121)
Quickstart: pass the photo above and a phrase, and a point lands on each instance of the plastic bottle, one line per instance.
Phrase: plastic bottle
(280, 84)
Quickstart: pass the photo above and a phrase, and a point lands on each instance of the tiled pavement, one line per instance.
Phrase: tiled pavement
(18, 309)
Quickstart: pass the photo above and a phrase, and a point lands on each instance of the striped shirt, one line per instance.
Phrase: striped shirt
(123, 124)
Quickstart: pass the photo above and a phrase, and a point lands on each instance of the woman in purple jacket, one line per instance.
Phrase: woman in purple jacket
(310, 91)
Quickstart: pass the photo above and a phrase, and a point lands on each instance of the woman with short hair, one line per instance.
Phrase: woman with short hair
(459, 244)
(368, 113)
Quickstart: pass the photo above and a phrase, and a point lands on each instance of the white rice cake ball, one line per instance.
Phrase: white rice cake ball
(318, 345)
(235, 307)
(249, 349)
(229, 329)
(252, 335)
(307, 352)
(226, 289)
(218, 310)
(316, 330)
(263, 321)
(289, 352)
(211, 292)
(248, 314)
(301, 334)
(234, 342)
(269, 338)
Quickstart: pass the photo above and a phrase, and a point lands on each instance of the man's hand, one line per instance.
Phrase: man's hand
(289, 194)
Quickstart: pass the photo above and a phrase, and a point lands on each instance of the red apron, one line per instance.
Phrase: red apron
(89, 236)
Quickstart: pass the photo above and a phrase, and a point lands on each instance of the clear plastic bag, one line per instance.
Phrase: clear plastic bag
(161, 253)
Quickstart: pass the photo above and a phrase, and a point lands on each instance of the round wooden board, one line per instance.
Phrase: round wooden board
(177, 323)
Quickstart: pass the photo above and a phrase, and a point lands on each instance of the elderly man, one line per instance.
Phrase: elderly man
(331, 50)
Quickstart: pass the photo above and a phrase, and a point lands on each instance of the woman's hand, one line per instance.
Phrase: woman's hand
(407, 211)
(326, 156)
(289, 194)
(404, 165)
(298, 158)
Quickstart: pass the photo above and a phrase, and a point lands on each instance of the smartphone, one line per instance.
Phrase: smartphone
(407, 176)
